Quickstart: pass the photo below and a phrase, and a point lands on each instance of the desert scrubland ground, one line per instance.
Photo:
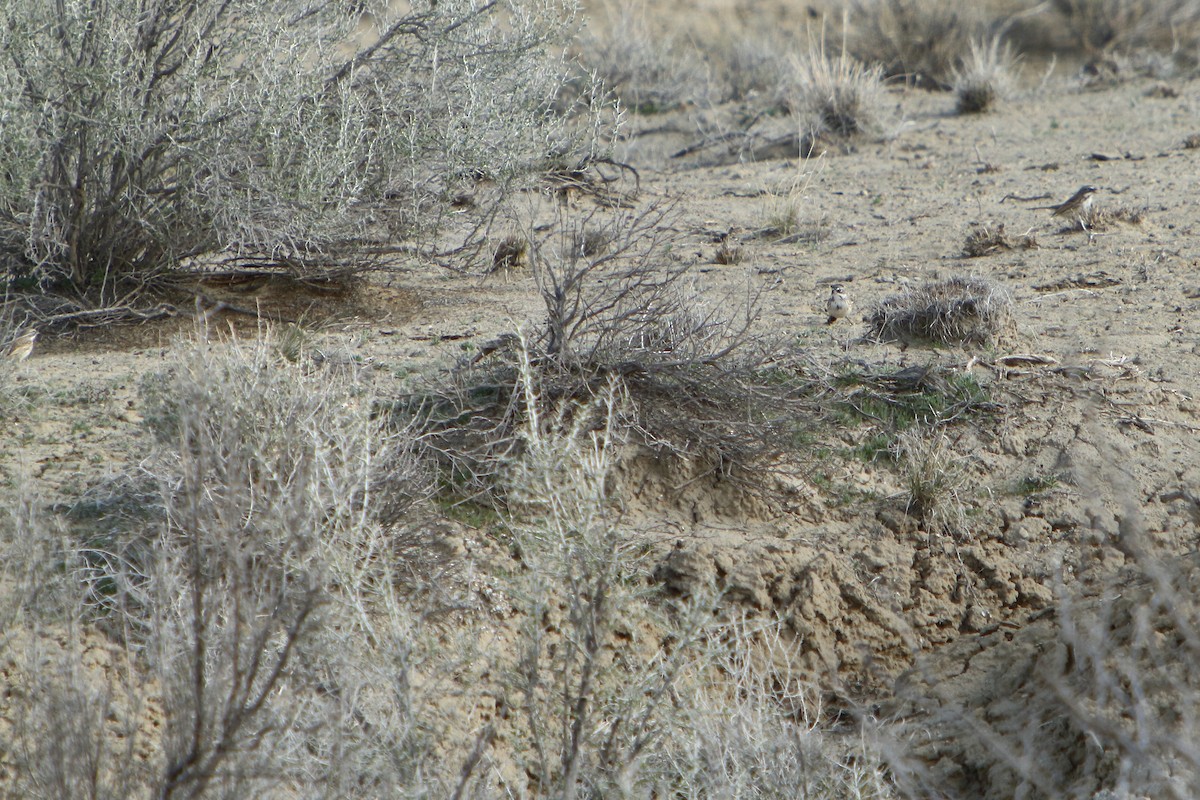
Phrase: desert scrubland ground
(957, 568)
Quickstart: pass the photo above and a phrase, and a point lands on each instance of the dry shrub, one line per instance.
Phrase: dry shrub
(983, 240)
(960, 311)
(706, 707)
(1100, 699)
(609, 689)
(650, 70)
(279, 485)
(258, 601)
(140, 134)
(984, 77)
(755, 66)
(1122, 26)
(749, 723)
(696, 373)
(921, 41)
(1130, 680)
(578, 590)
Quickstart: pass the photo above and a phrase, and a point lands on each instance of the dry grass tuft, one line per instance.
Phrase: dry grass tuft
(985, 76)
(729, 254)
(1126, 215)
(838, 96)
(983, 240)
(933, 477)
(963, 311)
(1099, 218)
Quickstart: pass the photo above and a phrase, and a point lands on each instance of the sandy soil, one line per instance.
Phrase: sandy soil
(861, 584)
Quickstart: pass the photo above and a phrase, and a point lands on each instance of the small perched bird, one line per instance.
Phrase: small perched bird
(1077, 204)
(838, 304)
(21, 347)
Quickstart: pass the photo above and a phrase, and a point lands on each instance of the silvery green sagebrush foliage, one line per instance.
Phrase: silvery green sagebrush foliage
(135, 134)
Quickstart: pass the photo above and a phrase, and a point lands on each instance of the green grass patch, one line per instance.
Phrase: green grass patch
(898, 402)
(1034, 484)
(877, 447)
(471, 513)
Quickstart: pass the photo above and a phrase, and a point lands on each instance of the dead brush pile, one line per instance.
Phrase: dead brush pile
(957, 311)
(1099, 218)
(984, 240)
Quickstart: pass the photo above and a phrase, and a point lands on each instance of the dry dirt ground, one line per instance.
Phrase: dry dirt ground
(1085, 453)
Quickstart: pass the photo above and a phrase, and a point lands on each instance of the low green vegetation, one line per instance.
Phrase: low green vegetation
(925, 396)
(1035, 484)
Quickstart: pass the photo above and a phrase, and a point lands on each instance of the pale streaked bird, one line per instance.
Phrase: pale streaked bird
(21, 347)
(1077, 204)
(838, 304)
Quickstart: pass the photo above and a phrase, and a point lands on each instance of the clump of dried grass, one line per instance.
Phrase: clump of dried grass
(1099, 218)
(985, 76)
(838, 96)
(984, 240)
(728, 254)
(934, 478)
(961, 310)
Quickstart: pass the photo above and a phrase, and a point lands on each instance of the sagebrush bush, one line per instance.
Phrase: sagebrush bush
(1107, 686)
(750, 724)
(702, 380)
(578, 587)
(274, 479)
(650, 70)
(270, 639)
(137, 135)
(606, 708)
(921, 41)
(1105, 26)
(260, 602)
